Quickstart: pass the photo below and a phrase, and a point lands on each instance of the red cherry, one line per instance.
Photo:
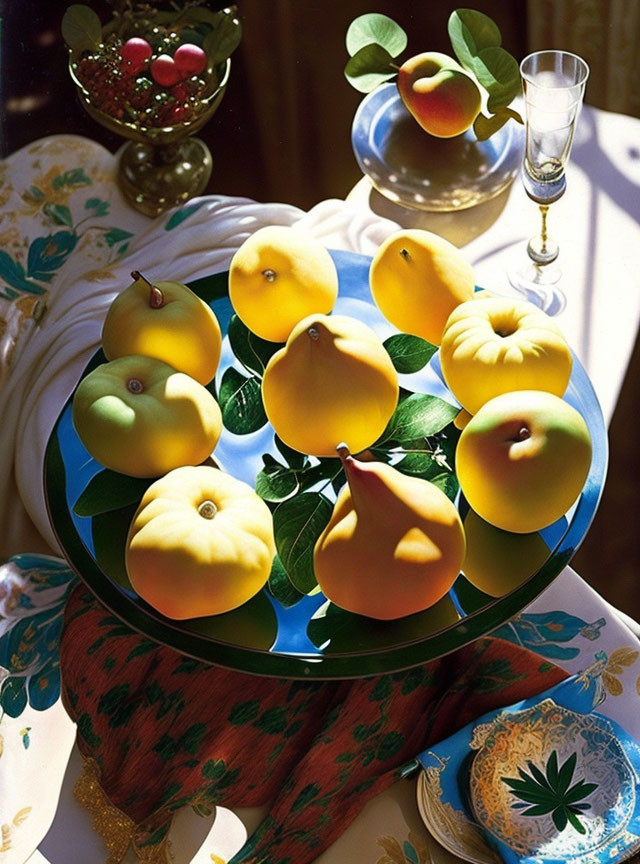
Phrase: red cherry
(136, 51)
(190, 59)
(164, 71)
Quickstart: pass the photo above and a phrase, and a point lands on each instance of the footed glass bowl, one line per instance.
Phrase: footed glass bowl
(161, 166)
(280, 633)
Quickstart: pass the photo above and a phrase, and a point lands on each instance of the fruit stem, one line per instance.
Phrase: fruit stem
(156, 297)
(207, 509)
(405, 255)
(269, 275)
(343, 451)
(135, 385)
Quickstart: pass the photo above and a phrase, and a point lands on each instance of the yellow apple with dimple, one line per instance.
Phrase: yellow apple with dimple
(140, 416)
(279, 276)
(200, 543)
(498, 344)
(523, 460)
(333, 381)
(417, 279)
(165, 320)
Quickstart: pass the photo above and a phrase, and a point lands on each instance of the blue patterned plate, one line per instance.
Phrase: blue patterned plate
(546, 781)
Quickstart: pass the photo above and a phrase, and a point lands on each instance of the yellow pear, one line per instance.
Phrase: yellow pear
(333, 381)
(167, 321)
(279, 276)
(417, 279)
(394, 544)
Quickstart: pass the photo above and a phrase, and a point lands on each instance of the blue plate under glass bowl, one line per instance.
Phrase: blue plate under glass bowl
(307, 638)
(410, 167)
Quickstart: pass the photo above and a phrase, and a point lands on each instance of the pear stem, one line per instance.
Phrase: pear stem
(405, 255)
(343, 451)
(156, 297)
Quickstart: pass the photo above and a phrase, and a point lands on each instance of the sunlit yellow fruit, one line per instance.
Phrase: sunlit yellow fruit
(523, 459)
(498, 561)
(333, 381)
(139, 416)
(201, 543)
(440, 95)
(417, 279)
(500, 344)
(279, 276)
(394, 544)
(165, 320)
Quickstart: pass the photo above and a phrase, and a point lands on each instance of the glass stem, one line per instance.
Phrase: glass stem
(544, 236)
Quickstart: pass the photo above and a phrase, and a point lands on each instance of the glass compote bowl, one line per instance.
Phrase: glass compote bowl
(553, 84)
(161, 167)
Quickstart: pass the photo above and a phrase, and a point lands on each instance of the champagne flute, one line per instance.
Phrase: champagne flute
(553, 85)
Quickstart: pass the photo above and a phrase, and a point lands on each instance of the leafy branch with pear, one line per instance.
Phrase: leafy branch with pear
(446, 95)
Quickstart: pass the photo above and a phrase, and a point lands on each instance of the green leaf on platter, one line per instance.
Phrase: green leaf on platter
(369, 68)
(58, 213)
(409, 353)
(297, 524)
(470, 31)
(241, 403)
(499, 74)
(99, 207)
(47, 254)
(109, 532)
(34, 194)
(281, 587)
(418, 416)
(109, 490)
(224, 38)
(374, 28)
(292, 457)
(81, 28)
(426, 466)
(276, 482)
(484, 126)
(252, 351)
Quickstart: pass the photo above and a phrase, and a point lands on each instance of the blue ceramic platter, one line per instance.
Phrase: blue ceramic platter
(303, 636)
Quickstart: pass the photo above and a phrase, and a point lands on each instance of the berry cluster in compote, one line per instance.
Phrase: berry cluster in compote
(158, 82)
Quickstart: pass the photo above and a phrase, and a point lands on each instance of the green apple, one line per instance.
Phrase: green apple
(165, 320)
(498, 344)
(440, 95)
(139, 416)
(523, 459)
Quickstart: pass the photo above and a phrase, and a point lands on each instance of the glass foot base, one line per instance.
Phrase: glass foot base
(539, 285)
(153, 179)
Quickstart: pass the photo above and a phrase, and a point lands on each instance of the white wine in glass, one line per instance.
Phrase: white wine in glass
(553, 85)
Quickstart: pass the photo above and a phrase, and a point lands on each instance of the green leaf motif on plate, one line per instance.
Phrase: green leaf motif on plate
(297, 523)
(409, 353)
(12, 272)
(241, 403)
(116, 235)
(180, 215)
(541, 793)
(374, 28)
(369, 67)
(253, 352)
